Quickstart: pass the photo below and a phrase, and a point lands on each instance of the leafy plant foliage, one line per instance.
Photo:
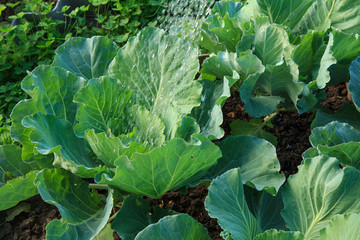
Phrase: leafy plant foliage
(139, 121)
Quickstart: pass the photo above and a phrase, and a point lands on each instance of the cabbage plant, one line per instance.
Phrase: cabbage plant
(121, 116)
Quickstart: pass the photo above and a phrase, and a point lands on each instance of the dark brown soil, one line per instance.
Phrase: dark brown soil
(292, 131)
(233, 110)
(336, 96)
(193, 204)
(29, 225)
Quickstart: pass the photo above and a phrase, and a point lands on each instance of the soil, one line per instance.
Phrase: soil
(291, 129)
(29, 225)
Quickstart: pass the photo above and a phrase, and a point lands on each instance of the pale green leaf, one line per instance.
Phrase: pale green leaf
(340, 14)
(102, 103)
(279, 235)
(159, 70)
(108, 149)
(187, 127)
(287, 12)
(53, 89)
(178, 227)
(164, 168)
(16, 190)
(319, 191)
(105, 234)
(342, 227)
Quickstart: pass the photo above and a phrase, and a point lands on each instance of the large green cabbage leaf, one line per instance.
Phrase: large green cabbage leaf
(256, 159)
(319, 191)
(159, 70)
(86, 57)
(16, 177)
(226, 202)
(178, 227)
(173, 165)
(318, 15)
(339, 140)
(83, 213)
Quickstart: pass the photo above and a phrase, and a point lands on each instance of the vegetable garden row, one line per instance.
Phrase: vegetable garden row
(139, 120)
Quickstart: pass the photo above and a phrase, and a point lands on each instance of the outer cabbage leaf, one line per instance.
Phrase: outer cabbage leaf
(284, 11)
(342, 227)
(134, 215)
(102, 104)
(279, 235)
(271, 43)
(339, 140)
(83, 213)
(319, 191)
(265, 208)
(53, 135)
(86, 57)
(11, 162)
(53, 88)
(354, 83)
(178, 227)
(209, 115)
(17, 190)
(347, 113)
(256, 159)
(226, 202)
(222, 29)
(16, 177)
(164, 168)
(322, 14)
(159, 70)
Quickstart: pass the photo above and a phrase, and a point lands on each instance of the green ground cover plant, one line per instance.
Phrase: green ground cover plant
(136, 121)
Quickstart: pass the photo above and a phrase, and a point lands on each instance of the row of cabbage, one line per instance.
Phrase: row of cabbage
(135, 120)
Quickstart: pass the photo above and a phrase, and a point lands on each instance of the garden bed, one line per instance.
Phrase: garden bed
(291, 129)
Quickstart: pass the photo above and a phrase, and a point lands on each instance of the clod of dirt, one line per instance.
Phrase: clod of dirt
(29, 225)
(193, 204)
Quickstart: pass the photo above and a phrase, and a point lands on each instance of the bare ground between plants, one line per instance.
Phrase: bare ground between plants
(291, 129)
